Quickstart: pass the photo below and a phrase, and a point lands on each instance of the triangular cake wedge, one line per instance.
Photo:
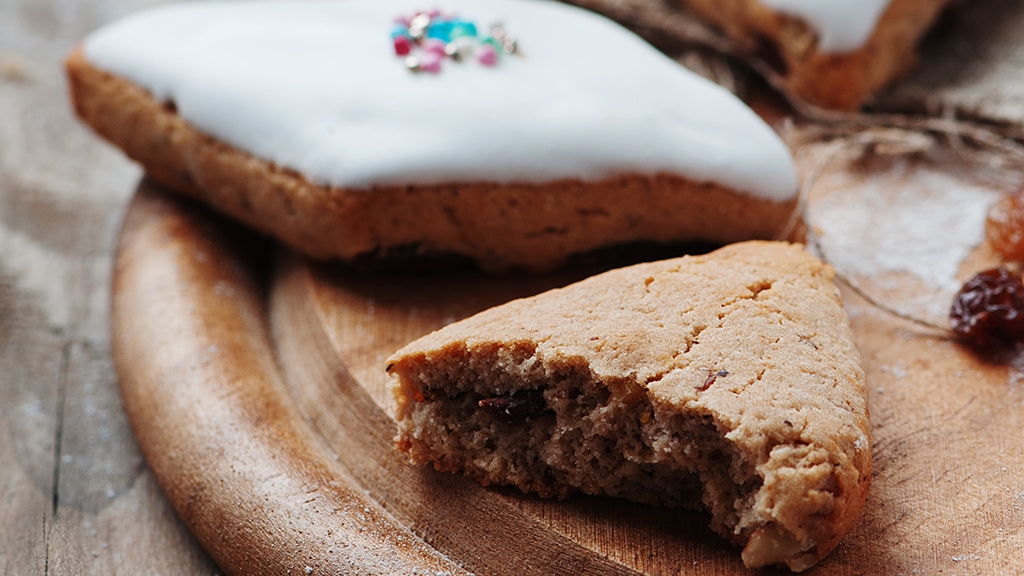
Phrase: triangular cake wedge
(728, 381)
(302, 119)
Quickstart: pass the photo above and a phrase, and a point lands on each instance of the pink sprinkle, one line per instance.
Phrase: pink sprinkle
(434, 45)
(402, 20)
(403, 46)
(430, 62)
(434, 13)
(487, 55)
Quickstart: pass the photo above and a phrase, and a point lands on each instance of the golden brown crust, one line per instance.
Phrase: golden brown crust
(499, 226)
(737, 367)
(842, 81)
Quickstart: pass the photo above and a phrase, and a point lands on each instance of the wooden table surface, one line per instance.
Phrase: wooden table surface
(76, 496)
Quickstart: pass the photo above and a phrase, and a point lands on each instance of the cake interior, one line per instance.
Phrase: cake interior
(502, 415)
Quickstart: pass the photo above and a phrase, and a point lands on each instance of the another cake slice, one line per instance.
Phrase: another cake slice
(344, 133)
(728, 381)
(831, 53)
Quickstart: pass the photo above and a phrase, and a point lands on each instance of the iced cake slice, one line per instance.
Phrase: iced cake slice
(513, 133)
(728, 381)
(831, 53)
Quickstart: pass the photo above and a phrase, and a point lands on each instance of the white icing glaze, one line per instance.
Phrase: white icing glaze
(316, 86)
(842, 25)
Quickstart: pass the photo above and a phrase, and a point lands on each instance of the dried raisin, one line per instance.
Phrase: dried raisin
(988, 312)
(712, 377)
(517, 408)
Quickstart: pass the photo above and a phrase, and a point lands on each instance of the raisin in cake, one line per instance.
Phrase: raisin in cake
(728, 381)
(831, 53)
(346, 133)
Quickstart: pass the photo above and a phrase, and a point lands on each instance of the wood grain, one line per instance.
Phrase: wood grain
(75, 495)
(948, 491)
(201, 386)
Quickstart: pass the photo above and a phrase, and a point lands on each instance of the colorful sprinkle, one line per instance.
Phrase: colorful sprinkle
(460, 48)
(491, 41)
(431, 62)
(510, 45)
(425, 39)
(462, 28)
(420, 20)
(433, 45)
(487, 55)
(441, 30)
(403, 45)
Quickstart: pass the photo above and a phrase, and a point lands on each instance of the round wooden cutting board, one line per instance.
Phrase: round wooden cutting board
(258, 395)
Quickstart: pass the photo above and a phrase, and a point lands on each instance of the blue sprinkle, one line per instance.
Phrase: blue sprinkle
(463, 28)
(441, 30)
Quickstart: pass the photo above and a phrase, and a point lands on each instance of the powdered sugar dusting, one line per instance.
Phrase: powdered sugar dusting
(901, 233)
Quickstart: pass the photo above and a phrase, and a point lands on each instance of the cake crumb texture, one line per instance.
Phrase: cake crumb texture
(728, 381)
